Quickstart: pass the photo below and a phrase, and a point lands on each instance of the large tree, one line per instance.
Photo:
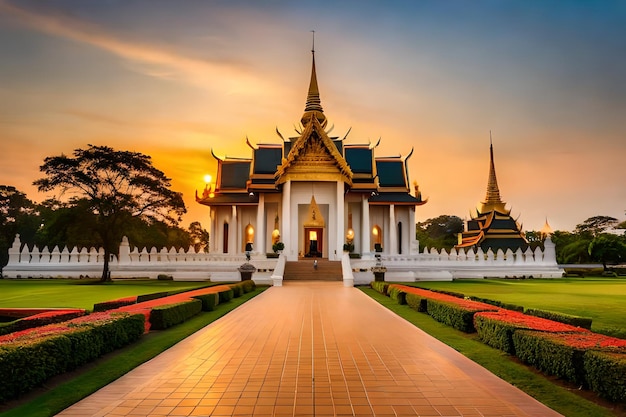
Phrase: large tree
(115, 187)
(17, 215)
(595, 225)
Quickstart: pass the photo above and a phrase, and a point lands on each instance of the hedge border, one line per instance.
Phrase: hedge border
(162, 317)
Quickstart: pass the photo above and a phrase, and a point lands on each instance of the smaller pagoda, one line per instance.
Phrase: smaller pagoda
(491, 226)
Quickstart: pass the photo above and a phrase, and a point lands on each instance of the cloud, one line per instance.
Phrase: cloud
(156, 61)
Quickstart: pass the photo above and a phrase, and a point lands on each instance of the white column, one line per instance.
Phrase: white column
(211, 231)
(413, 243)
(393, 231)
(285, 230)
(340, 233)
(216, 238)
(366, 231)
(232, 232)
(259, 233)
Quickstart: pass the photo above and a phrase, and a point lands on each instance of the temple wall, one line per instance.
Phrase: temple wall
(189, 265)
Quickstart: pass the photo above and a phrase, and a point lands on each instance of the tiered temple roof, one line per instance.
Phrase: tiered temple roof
(492, 226)
(313, 155)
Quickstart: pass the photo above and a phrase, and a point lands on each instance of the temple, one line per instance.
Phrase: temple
(312, 194)
(491, 226)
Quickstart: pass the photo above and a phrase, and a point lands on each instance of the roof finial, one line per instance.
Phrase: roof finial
(313, 103)
(492, 198)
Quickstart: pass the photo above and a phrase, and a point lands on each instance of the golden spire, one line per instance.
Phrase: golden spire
(546, 230)
(313, 105)
(492, 199)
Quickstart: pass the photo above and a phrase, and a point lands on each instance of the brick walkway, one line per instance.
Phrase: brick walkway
(309, 349)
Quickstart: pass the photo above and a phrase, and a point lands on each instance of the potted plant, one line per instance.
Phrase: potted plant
(278, 247)
(348, 247)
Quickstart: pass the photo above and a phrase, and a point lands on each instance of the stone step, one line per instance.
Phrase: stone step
(303, 270)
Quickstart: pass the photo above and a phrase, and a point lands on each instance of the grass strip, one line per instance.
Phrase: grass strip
(120, 362)
(497, 362)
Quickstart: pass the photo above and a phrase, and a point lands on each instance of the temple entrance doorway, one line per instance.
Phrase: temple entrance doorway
(313, 228)
(313, 242)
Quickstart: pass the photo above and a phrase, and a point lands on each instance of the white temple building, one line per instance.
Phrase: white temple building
(314, 193)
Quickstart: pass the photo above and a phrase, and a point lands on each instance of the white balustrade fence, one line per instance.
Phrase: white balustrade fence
(191, 265)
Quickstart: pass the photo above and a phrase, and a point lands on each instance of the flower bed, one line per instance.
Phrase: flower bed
(578, 321)
(562, 354)
(447, 309)
(147, 307)
(113, 304)
(29, 357)
(568, 351)
(38, 317)
(496, 328)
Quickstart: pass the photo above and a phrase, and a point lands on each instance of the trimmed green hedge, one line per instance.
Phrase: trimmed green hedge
(396, 294)
(209, 301)
(500, 304)
(27, 364)
(605, 374)
(153, 296)
(416, 302)
(550, 355)
(162, 317)
(248, 285)
(495, 333)
(237, 290)
(454, 315)
(226, 295)
(380, 286)
(584, 322)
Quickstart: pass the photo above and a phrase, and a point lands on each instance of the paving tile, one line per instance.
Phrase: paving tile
(304, 348)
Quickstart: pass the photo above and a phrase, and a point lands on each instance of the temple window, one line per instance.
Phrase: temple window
(248, 237)
(377, 238)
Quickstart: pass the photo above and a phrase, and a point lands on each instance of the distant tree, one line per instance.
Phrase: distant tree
(115, 187)
(439, 232)
(535, 239)
(608, 248)
(199, 237)
(595, 225)
(18, 215)
(621, 225)
(571, 248)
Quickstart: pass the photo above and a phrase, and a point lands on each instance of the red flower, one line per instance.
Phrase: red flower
(468, 304)
(525, 321)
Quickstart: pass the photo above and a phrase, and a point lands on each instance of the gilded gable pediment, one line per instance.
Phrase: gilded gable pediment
(314, 157)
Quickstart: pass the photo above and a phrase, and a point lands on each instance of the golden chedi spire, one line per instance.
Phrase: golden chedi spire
(313, 107)
(492, 202)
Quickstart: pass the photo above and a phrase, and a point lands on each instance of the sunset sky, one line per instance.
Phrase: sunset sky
(174, 79)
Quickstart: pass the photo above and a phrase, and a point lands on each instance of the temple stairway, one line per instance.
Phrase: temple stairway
(303, 270)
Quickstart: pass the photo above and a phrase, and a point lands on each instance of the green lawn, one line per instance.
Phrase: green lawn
(65, 293)
(602, 299)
